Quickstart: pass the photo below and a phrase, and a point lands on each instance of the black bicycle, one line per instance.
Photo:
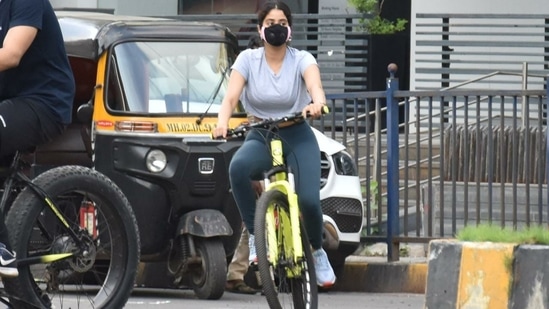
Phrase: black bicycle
(75, 237)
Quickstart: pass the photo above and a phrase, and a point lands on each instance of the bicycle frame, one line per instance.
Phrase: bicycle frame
(284, 182)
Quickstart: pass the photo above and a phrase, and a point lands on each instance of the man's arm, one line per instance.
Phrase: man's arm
(17, 41)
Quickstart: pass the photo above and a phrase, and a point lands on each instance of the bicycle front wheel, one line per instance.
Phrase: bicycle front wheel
(286, 284)
(102, 272)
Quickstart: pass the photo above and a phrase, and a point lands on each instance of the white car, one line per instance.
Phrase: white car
(341, 201)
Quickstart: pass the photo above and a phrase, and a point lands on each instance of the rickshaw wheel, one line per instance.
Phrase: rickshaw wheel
(208, 276)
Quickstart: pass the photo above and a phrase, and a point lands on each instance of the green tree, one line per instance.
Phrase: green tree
(376, 24)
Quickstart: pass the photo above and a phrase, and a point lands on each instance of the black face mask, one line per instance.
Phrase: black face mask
(276, 35)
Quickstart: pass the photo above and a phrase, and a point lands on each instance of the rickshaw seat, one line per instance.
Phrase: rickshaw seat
(68, 148)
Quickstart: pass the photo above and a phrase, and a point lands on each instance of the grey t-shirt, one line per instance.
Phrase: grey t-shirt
(269, 95)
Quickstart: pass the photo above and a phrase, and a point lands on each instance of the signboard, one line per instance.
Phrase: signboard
(331, 47)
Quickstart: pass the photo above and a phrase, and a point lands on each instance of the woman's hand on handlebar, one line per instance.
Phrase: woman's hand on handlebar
(220, 131)
(313, 110)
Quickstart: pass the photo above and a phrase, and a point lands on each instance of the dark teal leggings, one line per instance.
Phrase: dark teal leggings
(302, 154)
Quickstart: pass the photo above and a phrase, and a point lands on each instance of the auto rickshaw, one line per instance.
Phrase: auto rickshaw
(147, 95)
(148, 90)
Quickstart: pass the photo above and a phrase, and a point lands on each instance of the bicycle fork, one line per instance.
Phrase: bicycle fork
(284, 182)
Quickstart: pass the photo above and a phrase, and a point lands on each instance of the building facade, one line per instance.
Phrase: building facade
(178, 7)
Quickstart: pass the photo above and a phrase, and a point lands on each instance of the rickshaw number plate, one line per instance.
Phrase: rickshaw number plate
(206, 165)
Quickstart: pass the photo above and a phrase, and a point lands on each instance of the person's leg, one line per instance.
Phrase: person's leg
(239, 264)
(24, 124)
(304, 158)
(238, 267)
(248, 163)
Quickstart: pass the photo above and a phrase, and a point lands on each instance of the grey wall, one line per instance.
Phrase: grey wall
(124, 7)
(156, 7)
(151, 8)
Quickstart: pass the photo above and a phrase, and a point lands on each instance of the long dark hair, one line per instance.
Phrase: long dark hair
(268, 6)
(254, 42)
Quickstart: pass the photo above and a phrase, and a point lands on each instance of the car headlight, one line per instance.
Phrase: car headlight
(156, 161)
(344, 164)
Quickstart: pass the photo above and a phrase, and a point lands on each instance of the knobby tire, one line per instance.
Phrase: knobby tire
(104, 279)
(280, 291)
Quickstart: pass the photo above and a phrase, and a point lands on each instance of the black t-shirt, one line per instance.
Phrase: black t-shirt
(44, 72)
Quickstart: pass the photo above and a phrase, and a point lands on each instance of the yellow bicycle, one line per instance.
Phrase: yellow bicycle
(285, 259)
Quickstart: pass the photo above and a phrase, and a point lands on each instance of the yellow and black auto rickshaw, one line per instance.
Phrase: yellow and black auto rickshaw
(148, 92)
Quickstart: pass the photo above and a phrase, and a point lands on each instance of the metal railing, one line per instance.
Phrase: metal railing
(461, 157)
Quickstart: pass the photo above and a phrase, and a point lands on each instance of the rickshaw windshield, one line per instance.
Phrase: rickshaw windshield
(168, 77)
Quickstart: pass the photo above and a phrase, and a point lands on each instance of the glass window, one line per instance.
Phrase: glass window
(171, 77)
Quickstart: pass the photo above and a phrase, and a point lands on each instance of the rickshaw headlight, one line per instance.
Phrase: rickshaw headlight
(156, 161)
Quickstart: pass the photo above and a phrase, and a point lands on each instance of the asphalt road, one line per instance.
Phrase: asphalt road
(171, 299)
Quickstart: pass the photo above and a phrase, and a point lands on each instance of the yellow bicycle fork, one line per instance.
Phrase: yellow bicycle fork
(284, 182)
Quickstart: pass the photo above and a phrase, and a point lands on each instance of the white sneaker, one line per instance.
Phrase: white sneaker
(325, 276)
(252, 258)
(8, 264)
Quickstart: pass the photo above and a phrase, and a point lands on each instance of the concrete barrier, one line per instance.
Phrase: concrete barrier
(376, 275)
(485, 275)
(531, 278)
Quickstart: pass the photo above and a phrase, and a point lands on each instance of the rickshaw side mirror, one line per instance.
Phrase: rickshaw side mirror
(84, 112)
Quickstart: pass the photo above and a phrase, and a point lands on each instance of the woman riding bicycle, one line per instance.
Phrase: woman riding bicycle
(274, 81)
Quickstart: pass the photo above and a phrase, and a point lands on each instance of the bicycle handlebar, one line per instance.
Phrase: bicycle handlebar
(266, 124)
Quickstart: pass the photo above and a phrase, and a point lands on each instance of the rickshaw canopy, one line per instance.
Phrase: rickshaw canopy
(89, 34)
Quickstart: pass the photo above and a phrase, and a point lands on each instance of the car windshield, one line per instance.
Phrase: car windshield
(168, 77)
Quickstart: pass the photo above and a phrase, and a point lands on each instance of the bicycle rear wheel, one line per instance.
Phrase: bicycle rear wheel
(282, 289)
(102, 274)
